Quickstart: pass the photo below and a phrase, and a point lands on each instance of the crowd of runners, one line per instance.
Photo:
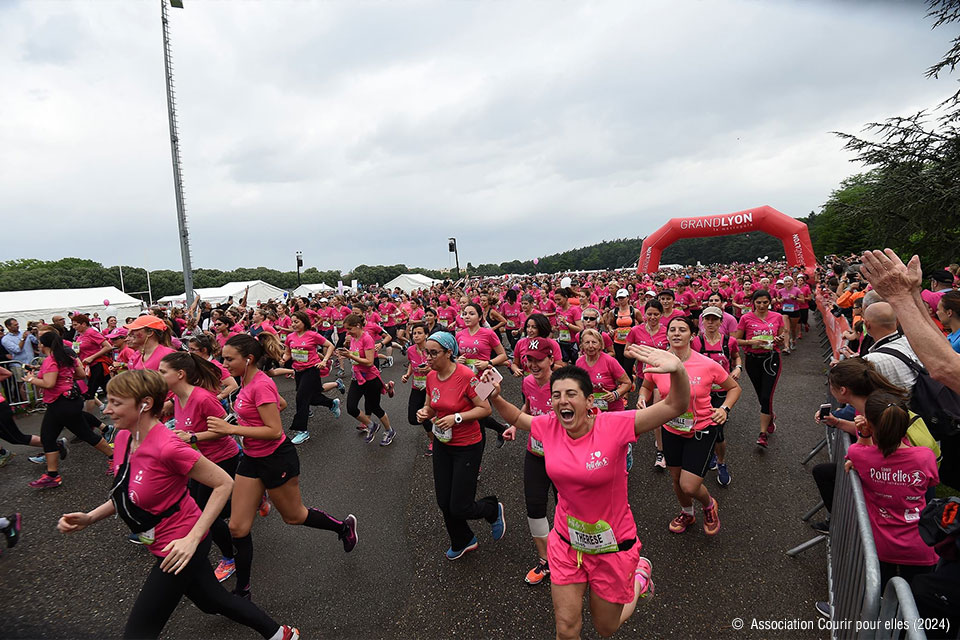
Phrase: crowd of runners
(183, 406)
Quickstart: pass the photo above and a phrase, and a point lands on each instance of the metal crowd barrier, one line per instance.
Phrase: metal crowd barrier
(17, 392)
(898, 613)
(853, 569)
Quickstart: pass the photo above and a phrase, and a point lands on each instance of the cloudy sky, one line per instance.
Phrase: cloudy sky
(370, 132)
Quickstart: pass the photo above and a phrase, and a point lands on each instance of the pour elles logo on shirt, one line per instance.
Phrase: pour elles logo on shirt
(597, 461)
(915, 478)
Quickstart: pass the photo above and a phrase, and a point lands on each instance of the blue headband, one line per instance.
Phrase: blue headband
(445, 340)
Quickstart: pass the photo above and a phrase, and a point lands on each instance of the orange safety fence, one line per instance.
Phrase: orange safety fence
(834, 326)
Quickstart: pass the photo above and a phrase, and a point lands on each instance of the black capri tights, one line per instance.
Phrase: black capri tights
(370, 391)
(764, 372)
(9, 430)
(536, 485)
(65, 413)
(162, 591)
(417, 399)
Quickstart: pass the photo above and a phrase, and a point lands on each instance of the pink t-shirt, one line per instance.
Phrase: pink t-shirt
(604, 375)
(192, 417)
(90, 342)
(513, 314)
(64, 379)
(640, 334)
(303, 350)
(418, 360)
(222, 339)
(417, 315)
(358, 347)
(159, 471)
(478, 346)
(714, 351)
(572, 315)
(153, 362)
(124, 355)
(703, 373)
(224, 374)
(589, 472)
(539, 402)
(259, 391)
(752, 327)
(389, 311)
(451, 396)
(893, 488)
(790, 299)
(807, 295)
(446, 317)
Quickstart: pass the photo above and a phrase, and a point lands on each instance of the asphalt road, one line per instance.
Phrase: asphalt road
(397, 584)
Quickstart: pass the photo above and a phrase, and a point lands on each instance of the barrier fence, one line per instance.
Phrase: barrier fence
(853, 569)
(17, 392)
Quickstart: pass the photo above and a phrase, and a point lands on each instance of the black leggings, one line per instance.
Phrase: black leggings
(417, 399)
(66, 413)
(536, 485)
(161, 593)
(98, 380)
(370, 391)
(764, 372)
(625, 362)
(455, 471)
(200, 492)
(309, 392)
(568, 351)
(341, 338)
(9, 430)
(513, 336)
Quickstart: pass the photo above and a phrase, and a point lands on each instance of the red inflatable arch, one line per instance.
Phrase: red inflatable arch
(793, 233)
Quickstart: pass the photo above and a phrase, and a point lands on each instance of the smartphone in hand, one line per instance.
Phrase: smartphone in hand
(485, 387)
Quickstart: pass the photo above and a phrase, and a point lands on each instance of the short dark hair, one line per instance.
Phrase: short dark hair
(575, 373)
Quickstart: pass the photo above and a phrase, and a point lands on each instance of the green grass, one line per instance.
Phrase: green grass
(943, 491)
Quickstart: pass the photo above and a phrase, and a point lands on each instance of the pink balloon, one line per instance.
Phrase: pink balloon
(106, 303)
(536, 261)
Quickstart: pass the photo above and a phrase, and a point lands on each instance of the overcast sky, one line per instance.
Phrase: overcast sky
(370, 132)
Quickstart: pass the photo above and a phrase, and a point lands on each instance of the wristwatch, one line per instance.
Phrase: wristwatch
(193, 438)
(457, 418)
(726, 408)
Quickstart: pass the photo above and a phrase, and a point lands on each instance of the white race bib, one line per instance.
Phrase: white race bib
(300, 355)
(598, 403)
(443, 435)
(683, 423)
(591, 538)
(536, 447)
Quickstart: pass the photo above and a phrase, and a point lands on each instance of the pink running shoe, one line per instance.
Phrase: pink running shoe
(644, 575)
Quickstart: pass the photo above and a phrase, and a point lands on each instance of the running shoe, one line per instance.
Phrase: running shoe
(134, 538)
(500, 441)
(299, 437)
(711, 518)
(629, 456)
(12, 531)
(371, 432)
(822, 527)
(538, 573)
(290, 633)
(390, 388)
(824, 609)
(713, 462)
(661, 462)
(644, 575)
(243, 593)
(387, 438)
(46, 481)
(62, 448)
(340, 386)
(335, 408)
(456, 555)
(762, 440)
(723, 474)
(681, 522)
(429, 451)
(349, 537)
(40, 458)
(310, 413)
(225, 568)
(499, 526)
(340, 371)
(773, 425)
(110, 466)
(109, 433)
(361, 428)
(264, 509)
(5, 457)
(389, 361)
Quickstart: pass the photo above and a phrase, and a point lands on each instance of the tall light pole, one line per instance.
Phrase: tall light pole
(175, 153)
(299, 264)
(452, 244)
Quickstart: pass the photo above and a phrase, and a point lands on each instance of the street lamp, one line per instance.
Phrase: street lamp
(299, 264)
(452, 245)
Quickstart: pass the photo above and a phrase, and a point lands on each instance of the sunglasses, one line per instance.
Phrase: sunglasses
(433, 353)
(590, 317)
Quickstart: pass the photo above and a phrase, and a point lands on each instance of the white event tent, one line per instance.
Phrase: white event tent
(38, 304)
(259, 290)
(408, 282)
(310, 289)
